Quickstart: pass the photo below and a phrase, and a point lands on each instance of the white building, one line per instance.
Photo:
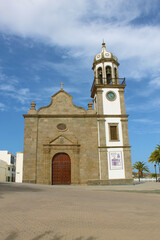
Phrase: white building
(19, 167)
(3, 171)
(10, 160)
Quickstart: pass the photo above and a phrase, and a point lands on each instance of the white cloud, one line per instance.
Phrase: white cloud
(72, 70)
(20, 94)
(21, 109)
(79, 27)
(2, 107)
(53, 90)
(9, 88)
(151, 105)
(7, 79)
(148, 131)
(82, 24)
(152, 86)
(146, 121)
(155, 82)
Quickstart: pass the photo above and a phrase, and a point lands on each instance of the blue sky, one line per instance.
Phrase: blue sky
(45, 42)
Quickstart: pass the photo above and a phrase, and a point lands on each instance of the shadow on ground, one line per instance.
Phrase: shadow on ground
(137, 191)
(11, 187)
(14, 235)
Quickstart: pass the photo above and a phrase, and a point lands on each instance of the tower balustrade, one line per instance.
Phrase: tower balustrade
(105, 82)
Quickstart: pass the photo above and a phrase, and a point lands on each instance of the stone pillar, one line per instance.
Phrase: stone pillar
(104, 163)
(122, 102)
(75, 165)
(124, 122)
(105, 77)
(126, 149)
(99, 101)
(117, 76)
(127, 163)
(30, 150)
(47, 171)
(113, 75)
(102, 149)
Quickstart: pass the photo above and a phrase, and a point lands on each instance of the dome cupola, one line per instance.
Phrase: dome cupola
(104, 55)
(105, 67)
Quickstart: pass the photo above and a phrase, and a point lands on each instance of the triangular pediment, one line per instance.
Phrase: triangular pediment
(61, 104)
(62, 140)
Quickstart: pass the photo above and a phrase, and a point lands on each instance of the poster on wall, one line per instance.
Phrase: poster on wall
(115, 160)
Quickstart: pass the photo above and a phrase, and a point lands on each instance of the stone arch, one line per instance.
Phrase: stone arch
(100, 75)
(108, 74)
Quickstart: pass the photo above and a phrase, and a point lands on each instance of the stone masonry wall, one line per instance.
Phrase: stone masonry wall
(42, 140)
(80, 131)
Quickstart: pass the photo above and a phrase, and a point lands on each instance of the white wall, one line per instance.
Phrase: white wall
(115, 172)
(111, 107)
(5, 156)
(117, 121)
(3, 171)
(19, 167)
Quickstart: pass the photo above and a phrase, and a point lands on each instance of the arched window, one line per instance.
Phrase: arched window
(108, 75)
(99, 73)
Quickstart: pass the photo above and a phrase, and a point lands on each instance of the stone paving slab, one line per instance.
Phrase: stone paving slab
(33, 212)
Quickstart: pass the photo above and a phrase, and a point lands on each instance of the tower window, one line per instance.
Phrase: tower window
(100, 81)
(108, 74)
(113, 129)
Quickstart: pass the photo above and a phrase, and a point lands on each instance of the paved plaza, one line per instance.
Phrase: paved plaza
(38, 212)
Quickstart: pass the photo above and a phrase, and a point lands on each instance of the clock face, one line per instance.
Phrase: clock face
(111, 96)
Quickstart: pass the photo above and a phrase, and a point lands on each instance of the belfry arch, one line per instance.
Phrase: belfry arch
(100, 75)
(108, 74)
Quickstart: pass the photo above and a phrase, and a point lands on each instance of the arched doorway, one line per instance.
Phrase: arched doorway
(61, 169)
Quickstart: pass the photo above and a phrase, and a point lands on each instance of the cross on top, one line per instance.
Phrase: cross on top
(61, 85)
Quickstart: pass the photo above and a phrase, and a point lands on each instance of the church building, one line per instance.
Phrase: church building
(66, 144)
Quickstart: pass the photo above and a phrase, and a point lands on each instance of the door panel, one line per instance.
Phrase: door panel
(61, 169)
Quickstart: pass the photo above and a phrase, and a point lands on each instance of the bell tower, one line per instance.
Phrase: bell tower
(113, 142)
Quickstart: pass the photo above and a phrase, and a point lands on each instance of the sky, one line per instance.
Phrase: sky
(46, 42)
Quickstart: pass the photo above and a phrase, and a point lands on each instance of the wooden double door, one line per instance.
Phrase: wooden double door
(61, 169)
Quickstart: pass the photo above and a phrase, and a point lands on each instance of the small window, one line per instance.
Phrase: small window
(12, 159)
(8, 168)
(114, 132)
(61, 126)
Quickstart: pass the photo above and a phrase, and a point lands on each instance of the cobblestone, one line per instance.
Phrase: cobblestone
(45, 212)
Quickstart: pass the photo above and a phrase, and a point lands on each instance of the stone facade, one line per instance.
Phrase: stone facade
(43, 140)
(63, 128)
